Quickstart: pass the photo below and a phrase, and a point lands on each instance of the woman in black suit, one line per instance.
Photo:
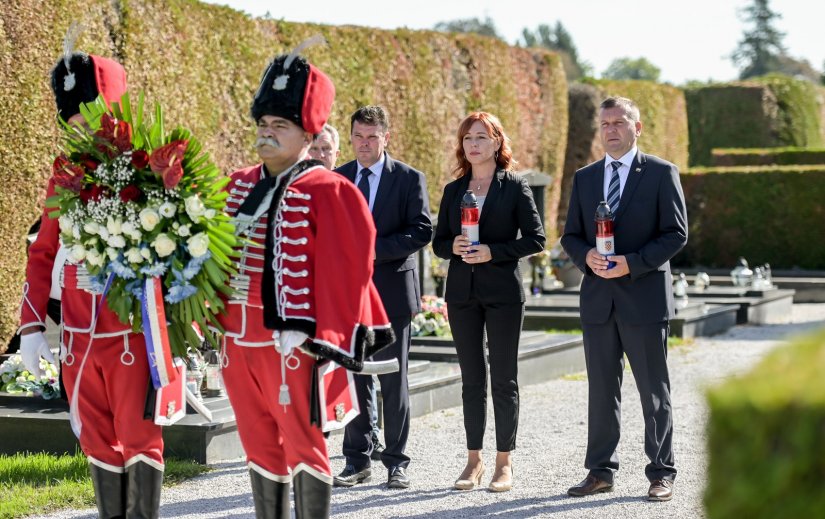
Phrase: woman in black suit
(484, 286)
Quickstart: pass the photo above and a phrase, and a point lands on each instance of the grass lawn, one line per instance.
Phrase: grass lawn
(42, 483)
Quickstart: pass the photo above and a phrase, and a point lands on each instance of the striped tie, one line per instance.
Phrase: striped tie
(613, 188)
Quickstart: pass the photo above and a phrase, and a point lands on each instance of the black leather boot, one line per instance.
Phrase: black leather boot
(271, 498)
(311, 496)
(143, 492)
(110, 492)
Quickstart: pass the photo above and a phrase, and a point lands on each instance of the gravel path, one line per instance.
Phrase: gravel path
(549, 458)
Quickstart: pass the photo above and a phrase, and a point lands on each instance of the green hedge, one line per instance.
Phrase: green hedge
(767, 156)
(203, 63)
(765, 438)
(771, 111)
(768, 214)
(664, 117)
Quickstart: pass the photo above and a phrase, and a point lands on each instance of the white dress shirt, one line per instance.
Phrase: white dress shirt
(373, 179)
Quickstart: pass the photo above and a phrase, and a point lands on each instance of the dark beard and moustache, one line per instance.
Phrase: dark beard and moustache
(266, 141)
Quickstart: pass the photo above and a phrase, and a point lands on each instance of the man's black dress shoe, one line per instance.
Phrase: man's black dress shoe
(398, 478)
(591, 485)
(350, 477)
(660, 490)
(377, 449)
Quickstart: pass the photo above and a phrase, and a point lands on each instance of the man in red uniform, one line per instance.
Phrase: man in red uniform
(303, 292)
(125, 451)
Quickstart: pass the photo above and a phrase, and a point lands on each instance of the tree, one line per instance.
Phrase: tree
(628, 68)
(760, 49)
(559, 40)
(485, 27)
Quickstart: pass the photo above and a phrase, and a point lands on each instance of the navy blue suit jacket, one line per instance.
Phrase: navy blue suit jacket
(401, 212)
(650, 227)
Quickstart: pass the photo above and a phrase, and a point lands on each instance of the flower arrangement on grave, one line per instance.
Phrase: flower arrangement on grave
(141, 208)
(540, 268)
(16, 379)
(432, 319)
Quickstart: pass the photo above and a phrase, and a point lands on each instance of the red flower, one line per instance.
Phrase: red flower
(117, 133)
(130, 193)
(93, 192)
(140, 159)
(89, 163)
(67, 175)
(167, 162)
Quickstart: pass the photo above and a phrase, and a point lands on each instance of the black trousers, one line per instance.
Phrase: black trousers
(503, 324)
(395, 397)
(605, 346)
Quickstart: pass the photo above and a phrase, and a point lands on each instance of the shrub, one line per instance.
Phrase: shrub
(766, 454)
(767, 156)
(768, 214)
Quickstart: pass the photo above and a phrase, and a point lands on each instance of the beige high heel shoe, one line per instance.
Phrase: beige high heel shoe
(502, 486)
(469, 484)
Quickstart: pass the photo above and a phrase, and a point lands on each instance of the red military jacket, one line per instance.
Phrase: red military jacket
(321, 245)
(79, 306)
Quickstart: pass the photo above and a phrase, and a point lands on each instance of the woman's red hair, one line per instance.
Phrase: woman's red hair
(504, 159)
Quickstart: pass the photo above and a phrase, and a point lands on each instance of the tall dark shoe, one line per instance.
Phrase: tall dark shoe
(591, 485)
(143, 492)
(271, 498)
(349, 477)
(397, 478)
(660, 490)
(312, 497)
(110, 492)
(377, 447)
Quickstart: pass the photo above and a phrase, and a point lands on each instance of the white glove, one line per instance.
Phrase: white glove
(32, 347)
(289, 340)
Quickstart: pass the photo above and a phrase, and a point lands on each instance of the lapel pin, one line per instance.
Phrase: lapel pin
(638, 170)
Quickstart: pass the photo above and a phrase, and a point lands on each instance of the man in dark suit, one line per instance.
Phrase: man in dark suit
(397, 197)
(625, 308)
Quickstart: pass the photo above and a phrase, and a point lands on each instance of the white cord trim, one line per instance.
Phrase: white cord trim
(293, 306)
(296, 274)
(300, 196)
(301, 258)
(290, 241)
(27, 301)
(296, 292)
(296, 209)
(241, 183)
(295, 225)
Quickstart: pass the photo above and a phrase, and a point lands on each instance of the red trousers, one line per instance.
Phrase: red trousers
(111, 400)
(279, 440)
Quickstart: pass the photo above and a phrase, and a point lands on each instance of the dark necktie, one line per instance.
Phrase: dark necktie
(613, 188)
(364, 184)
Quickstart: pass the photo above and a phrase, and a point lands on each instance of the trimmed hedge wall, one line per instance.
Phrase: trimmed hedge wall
(203, 63)
(766, 112)
(768, 214)
(664, 119)
(767, 156)
(765, 431)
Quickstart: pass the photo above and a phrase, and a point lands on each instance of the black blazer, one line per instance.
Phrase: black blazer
(401, 212)
(508, 209)
(650, 227)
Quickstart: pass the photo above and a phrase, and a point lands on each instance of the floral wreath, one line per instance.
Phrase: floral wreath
(134, 203)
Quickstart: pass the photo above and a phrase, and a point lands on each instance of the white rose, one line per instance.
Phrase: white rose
(194, 207)
(184, 231)
(131, 230)
(112, 253)
(77, 253)
(103, 232)
(117, 242)
(114, 226)
(134, 255)
(164, 245)
(94, 258)
(65, 223)
(209, 214)
(149, 218)
(91, 227)
(167, 210)
(198, 245)
(146, 253)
